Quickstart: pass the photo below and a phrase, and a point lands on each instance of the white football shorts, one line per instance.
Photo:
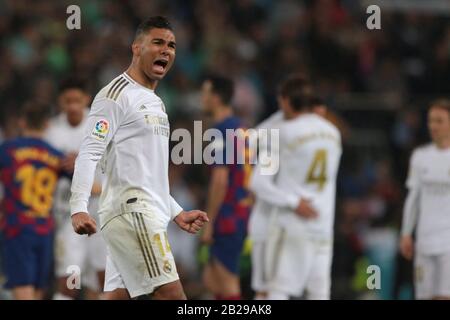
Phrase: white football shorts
(298, 264)
(259, 278)
(432, 275)
(139, 256)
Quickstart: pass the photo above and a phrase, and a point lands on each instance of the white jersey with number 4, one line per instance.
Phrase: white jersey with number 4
(429, 174)
(299, 250)
(310, 150)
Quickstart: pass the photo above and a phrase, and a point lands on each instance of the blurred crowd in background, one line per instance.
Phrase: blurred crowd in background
(379, 83)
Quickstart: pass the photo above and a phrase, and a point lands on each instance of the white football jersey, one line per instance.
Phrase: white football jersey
(310, 150)
(63, 136)
(66, 138)
(128, 129)
(430, 174)
(260, 215)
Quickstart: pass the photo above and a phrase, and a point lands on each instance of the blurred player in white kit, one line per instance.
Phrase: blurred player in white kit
(260, 215)
(427, 208)
(66, 132)
(259, 223)
(298, 249)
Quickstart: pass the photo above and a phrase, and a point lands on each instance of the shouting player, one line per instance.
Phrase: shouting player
(427, 208)
(128, 129)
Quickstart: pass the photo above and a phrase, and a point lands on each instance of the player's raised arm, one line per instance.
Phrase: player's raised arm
(104, 119)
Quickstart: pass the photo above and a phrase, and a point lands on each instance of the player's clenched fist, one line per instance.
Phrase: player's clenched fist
(83, 223)
(191, 221)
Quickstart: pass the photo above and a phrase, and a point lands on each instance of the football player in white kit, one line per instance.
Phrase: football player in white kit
(258, 224)
(261, 212)
(128, 130)
(260, 215)
(427, 209)
(66, 132)
(300, 232)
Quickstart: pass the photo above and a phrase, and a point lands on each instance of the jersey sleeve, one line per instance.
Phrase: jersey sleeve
(410, 212)
(264, 187)
(411, 206)
(175, 208)
(104, 119)
(413, 178)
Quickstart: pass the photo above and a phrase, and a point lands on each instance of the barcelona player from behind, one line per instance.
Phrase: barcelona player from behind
(29, 171)
(229, 200)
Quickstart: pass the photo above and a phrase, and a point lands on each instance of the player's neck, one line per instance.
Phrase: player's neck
(294, 114)
(30, 133)
(443, 144)
(74, 122)
(137, 75)
(221, 113)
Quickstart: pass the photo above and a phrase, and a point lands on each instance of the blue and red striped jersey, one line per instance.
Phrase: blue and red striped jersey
(29, 171)
(235, 210)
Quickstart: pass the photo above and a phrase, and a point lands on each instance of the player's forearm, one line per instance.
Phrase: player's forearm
(265, 189)
(83, 181)
(216, 196)
(410, 212)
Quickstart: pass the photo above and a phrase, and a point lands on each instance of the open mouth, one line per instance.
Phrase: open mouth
(160, 65)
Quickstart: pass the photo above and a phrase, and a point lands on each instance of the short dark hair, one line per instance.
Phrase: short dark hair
(298, 89)
(221, 86)
(36, 115)
(72, 83)
(317, 101)
(441, 103)
(152, 22)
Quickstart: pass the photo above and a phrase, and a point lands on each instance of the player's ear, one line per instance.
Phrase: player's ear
(136, 48)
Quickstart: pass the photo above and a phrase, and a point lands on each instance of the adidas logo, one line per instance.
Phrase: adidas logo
(143, 108)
